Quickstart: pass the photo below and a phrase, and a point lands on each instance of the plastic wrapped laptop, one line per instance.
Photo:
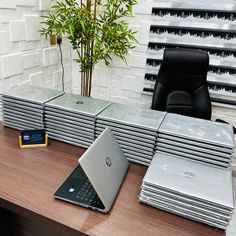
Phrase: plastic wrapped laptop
(193, 190)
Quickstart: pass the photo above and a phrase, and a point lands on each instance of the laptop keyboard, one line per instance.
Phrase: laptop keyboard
(88, 195)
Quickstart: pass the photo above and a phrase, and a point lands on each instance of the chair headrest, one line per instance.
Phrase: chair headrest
(185, 61)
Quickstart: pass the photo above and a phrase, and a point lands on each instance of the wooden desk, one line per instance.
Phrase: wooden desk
(28, 179)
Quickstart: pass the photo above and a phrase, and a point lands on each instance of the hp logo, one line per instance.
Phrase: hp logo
(189, 175)
(108, 161)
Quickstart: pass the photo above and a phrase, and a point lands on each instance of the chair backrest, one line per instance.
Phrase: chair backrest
(181, 85)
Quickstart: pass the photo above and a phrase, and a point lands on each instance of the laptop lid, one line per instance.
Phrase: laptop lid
(196, 180)
(105, 166)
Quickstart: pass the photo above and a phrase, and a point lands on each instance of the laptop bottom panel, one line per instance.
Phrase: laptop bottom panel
(77, 189)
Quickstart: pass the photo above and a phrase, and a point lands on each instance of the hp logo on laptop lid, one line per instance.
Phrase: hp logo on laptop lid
(108, 161)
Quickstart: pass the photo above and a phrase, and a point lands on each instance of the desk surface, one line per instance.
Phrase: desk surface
(29, 177)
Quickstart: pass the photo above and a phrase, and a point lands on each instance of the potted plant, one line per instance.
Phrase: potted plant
(96, 30)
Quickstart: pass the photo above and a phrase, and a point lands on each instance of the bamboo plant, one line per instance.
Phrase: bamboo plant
(96, 29)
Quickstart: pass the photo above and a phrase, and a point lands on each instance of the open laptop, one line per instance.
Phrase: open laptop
(95, 182)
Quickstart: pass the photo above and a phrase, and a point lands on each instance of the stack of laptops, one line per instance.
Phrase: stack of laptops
(193, 190)
(135, 129)
(23, 106)
(0, 107)
(196, 139)
(71, 118)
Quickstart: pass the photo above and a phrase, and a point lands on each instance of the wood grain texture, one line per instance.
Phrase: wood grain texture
(29, 177)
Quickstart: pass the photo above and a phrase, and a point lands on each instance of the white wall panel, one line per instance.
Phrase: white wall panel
(8, 4)
(37, 79)
(17, 30)
(4, 43)
(11, 65)
(8, 15)
(26, 3)
(31, 60)
(21, 47)
(50, 56)
(31, 27)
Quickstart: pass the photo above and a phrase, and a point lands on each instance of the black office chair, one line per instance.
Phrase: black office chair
(181, 85)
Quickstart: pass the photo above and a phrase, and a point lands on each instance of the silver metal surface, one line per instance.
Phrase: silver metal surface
(32, 93)
(192, 157)
(196, 25)
(198, 129)
(70, 140)
(150, 140)
(23, 114)
(187, 206)
(172, 41)
(129, 134)
(67, 121)
(70, 118)
(49, 110)
(197, 153)
(141, 151)
(134, 146)
(192, 202)
(195, 143)
(8, 105)
(112, 125)
(132, 116)
(25, 118)
(194, 6)
(193, 147)
(199, 181)
(22, 102)
(78, 137)
(137, 154)
(51, 123)
(70, 130)
(24, 122)
(79, 104)
(131, 139)
(202, 212)
(176, 211)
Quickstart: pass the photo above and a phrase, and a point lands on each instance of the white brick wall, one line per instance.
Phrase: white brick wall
(25, 56)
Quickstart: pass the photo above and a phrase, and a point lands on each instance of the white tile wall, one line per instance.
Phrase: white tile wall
(17, 30)
(4, 42)
(31, 27)
(8, 4)
(25, 56)
(11, 65)
(50, 56)
(26, 3)
(31, 60)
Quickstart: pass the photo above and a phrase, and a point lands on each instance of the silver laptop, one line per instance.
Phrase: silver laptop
(198, 130)
(194, 180)
(96, 180)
